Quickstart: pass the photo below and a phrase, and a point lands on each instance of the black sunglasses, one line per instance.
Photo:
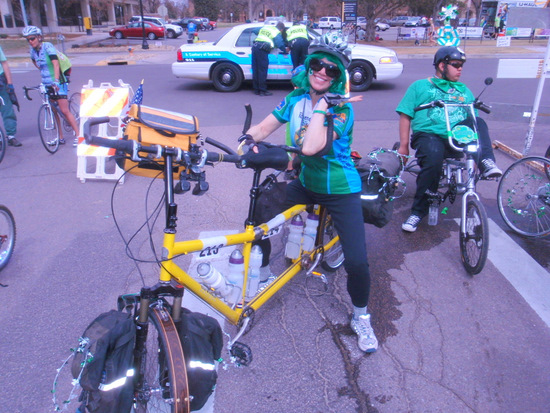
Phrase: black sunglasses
(456, 65)
(31, 39)
(330, 69)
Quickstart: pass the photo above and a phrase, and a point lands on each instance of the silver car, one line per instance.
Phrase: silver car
(228, 61)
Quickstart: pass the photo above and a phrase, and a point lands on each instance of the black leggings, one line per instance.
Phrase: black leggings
(347, 216)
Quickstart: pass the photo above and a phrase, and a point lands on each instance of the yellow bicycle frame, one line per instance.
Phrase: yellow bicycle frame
(170, 270)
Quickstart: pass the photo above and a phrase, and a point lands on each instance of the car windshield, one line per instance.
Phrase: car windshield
(162, 21)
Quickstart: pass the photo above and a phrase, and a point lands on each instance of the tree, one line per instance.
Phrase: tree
(208, 8)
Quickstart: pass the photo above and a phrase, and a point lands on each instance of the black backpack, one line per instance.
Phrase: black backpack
(202, 341)
(104, 367)
(379, 171)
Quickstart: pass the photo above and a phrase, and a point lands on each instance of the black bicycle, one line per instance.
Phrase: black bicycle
(7, 236)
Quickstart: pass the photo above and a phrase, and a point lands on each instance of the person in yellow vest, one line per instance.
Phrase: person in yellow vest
(55, 69)
(269, 37)
(298, 41)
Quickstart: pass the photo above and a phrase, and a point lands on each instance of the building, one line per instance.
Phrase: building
(55, 16)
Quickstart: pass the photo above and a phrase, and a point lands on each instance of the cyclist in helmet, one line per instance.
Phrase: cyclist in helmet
(328, 176)
(429, 131)
(55, 69)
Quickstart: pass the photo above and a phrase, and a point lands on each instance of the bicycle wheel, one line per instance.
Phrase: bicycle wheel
(474, 244)
(524, 196)
(547, 167)
(47, 127)
(74, 108)
(7, 236)
(3, 145)
(162, 385)
(334, 257)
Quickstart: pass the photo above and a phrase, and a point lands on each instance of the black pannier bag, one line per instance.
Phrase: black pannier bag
(202, 341)
(105, 367)
(380, 173)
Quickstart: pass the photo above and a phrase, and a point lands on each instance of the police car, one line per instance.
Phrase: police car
(228, 61)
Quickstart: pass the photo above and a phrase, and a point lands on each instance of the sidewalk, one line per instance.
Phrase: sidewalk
(161, 51)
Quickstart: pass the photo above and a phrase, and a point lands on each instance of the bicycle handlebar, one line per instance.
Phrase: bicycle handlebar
(26, 91)
(440, 104)
(132, 147)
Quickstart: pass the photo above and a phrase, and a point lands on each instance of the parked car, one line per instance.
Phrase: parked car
(206, 24)
(228, 61)
(413, 22)
(381, 24)
(173, 31)
(152, 31)
(398, 21)
(183, 22)
(330, 22)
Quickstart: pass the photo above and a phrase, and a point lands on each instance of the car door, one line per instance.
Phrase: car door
(134, 29)
(280, 65)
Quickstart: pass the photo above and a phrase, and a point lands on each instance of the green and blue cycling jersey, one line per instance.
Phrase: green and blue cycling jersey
(335, 172)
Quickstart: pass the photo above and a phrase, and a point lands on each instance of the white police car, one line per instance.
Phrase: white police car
(227, 62)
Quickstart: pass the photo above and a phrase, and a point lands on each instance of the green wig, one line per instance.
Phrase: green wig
(338, 86)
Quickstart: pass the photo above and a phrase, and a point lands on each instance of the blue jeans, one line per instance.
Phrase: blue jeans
(430, 153)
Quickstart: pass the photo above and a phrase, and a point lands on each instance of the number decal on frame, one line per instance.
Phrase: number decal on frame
(272, 232)
(209, 252)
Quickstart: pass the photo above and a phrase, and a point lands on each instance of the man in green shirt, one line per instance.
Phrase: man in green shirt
(7, 93)
(429, 130)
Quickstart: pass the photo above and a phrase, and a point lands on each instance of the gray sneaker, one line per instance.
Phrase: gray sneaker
(366, 339)
(14, 142)
(489, 169)
(411, 223)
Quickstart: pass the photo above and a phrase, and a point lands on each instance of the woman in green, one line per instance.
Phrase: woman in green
(328, 176)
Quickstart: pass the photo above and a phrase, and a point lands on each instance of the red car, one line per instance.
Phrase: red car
(152, 31)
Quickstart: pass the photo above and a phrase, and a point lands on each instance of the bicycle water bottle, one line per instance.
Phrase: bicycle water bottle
(310, 232)
(256, 257)
(235, 275)
(292, 247)
(214, 280)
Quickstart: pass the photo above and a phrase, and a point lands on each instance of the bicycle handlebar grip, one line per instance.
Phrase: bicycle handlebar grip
(248, 119)
(26, 89)
(483, 107)
(92, 122)
(222, 157)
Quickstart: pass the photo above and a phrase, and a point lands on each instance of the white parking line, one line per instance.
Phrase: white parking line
(527, 276)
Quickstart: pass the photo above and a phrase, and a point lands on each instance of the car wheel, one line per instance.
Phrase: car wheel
(227, 77)
(361, 75)
(119, 35)
(171, 34)
(151, 36)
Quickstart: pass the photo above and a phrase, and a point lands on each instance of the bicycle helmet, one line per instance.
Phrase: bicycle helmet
(447, 53)
(32, 31)
(332, 44)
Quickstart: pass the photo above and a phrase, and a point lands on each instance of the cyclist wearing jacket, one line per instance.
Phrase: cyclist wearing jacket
(298, 41)
(269, 37)
(328, 176)
(429, 130)
(54, 70)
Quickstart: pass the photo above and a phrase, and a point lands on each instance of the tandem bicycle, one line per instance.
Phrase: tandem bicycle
(160, 368)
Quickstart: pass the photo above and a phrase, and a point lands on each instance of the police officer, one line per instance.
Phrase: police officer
(298, 41)
(268, 38)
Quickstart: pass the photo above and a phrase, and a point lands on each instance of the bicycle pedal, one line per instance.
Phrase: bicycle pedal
(242, 353)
